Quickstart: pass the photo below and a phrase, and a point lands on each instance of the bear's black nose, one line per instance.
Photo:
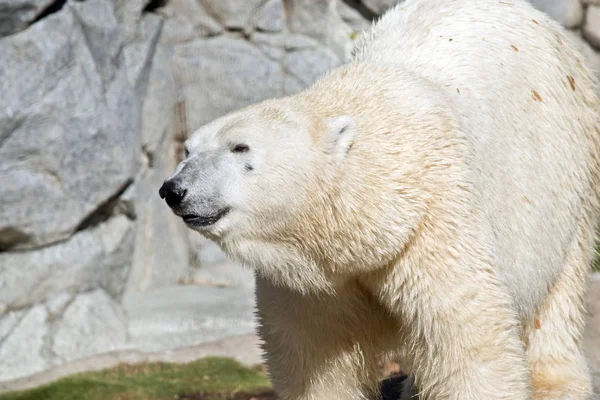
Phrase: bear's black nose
(172, 193)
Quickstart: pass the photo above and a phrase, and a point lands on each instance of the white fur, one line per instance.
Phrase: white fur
(435, 196)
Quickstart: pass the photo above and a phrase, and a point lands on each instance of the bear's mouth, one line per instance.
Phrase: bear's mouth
(204, 220)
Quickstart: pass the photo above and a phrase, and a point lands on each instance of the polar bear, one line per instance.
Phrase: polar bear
(436, 195)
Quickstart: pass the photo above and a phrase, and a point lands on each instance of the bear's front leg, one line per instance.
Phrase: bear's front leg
(459, 326)
(322, 347)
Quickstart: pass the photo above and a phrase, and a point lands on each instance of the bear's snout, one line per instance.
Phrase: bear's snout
(172, 192)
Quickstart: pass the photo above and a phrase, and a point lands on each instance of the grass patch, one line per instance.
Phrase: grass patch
(210, 378)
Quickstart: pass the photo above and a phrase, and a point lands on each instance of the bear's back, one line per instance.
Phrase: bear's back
(528, 108)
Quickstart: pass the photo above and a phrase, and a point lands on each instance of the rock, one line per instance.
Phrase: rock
(64, 109)
(321, 21)
(299, 42)
(140, 51)
(270, 18)
(16, 15)
(100, 256)
(222, 74)
(309, 64)
(129, 12)
(190, 16)
(178, 30)
(591, 28)
(271, 45)
(92, 323)
(166, 318)
(161, 253)
(21, 351)
(592, 333)
(567, 12)
(353, 18)
(8, 323)
(57, 304)
(232, 14)
(378, 7)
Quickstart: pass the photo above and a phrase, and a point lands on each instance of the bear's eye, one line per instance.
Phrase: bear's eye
(186, 152)
(240, 148)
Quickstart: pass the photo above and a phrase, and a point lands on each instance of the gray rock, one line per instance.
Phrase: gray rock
(270, 18)
(178, 30)
(306, 66)
(21, 351)
(93, 323)
(232, 14)
(299, 42)
(222, 74)
(165, 319)
(591, 28)
(309, 64)
(63, 114)
(567, 12)
(190, 16)
(272, 45)
(321, 21)
(16, 15)
(57, 304)
(8, 322)
(353, 18)
(99, 256)
(161, 253)
(139, 52)
(380, 6)
(129, 12)
(592, 332)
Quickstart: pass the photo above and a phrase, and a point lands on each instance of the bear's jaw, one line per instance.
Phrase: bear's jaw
(279, 263)
(204, 221)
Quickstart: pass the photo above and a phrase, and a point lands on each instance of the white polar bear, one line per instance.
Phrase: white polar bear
(437, 194)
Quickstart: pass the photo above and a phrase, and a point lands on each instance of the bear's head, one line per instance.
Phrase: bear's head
(253, 179)
(317, 187)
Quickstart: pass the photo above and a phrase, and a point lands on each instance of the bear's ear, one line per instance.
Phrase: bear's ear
(340, 136)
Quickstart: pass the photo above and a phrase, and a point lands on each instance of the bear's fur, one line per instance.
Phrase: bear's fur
(437, 194)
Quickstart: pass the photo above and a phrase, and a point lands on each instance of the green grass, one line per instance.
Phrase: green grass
(215, 377)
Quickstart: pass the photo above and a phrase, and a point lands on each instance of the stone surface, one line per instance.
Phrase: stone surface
(271, 45)
(16, 15)
(63, 113)
(221, 74)
(322, 22)
(352, 17)
(270, 18)
(568, 12)
(21, 351)
(305, 66)
(8, 322)
(92, 323)
(167, 318)
(97, 257)
(192, 16)
(592, 333)
(379, 6)
(232, 14)
(161, 254)
(591, 28)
